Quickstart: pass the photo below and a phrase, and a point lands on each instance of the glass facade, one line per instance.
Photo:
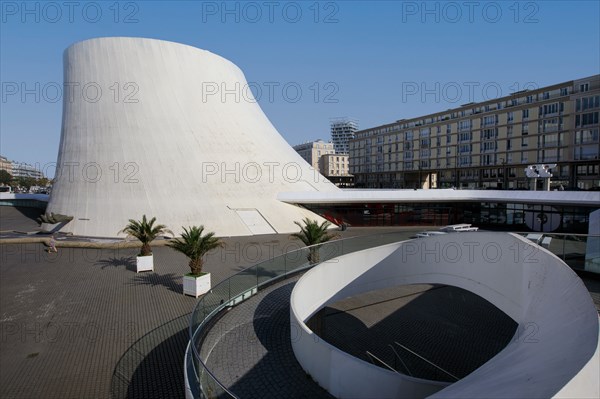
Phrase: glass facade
(485, 215)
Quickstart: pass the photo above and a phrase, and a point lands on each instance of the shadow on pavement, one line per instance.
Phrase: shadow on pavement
(153, 366)
(172, 281)
(127, 261)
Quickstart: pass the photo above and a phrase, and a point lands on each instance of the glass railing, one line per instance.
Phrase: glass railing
(579, 251)
(248, 282)
(244, 284)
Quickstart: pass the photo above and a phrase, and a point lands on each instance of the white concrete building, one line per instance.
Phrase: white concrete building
(172, 142)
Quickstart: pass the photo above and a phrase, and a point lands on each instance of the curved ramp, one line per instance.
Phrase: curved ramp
(557, 356)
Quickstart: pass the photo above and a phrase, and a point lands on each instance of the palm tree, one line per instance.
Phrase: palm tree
(145, 231)
(311, 234)
(194, 245)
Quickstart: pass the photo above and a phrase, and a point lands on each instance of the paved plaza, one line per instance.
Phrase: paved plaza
(82, 323)
(250, 349)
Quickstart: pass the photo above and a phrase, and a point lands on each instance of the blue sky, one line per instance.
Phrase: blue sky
(374, 61)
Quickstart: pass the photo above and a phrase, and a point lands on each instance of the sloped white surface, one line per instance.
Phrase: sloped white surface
(555, 351)
(172, 149)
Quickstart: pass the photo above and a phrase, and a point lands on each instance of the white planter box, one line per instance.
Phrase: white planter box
(196, 286)
(145, 263)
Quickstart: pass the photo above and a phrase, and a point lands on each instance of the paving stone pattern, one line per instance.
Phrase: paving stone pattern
(249, 350)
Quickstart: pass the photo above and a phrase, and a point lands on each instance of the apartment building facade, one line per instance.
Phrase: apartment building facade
(334, 165)
(6, 165)
(21, 169)
(488, 144)
(313, 150)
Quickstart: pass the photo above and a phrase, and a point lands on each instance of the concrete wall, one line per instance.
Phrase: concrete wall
(555, 349)
(171, 131)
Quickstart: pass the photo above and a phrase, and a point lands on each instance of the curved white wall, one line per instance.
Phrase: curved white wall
(169, 143)
(554, 353)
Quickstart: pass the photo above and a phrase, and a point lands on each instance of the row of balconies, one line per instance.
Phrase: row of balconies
(548, 129)
(534, 113)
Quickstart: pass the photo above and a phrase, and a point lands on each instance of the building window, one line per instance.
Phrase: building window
(586, 152)
(550, 125)
(586, 136)
(549, 109)
(489, 120)
(590, 118)
(465, 148)
(489, 146)
(584, 87)
(464, 125)
(468, 136)
(585, 103)
(487, 134)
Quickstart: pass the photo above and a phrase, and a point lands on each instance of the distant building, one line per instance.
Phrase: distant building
(488, 144)
(342, 131)
(25, 170)
(335, 168)
(6, 165)
(333, 165)
(312, 151)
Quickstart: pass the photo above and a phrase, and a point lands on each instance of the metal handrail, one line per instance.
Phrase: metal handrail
(400, 358)
(194, 329)
(372, 356)
(428, 361)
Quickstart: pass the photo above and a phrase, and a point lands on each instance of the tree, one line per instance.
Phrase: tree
(194, 245)
(145, 231)
(43, 182)
(26, 182)
(5, 177)
(311, 234)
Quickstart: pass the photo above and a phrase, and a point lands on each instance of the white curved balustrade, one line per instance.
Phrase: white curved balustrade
(527, 282)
